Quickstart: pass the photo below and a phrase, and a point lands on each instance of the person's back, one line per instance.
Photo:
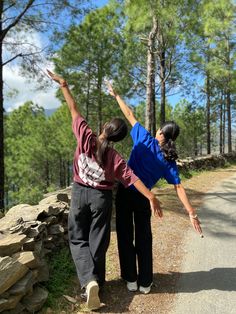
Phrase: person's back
(151, 158)
(96, 166)
(147, 160)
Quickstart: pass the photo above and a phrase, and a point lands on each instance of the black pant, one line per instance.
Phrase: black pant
(133, 226)
(89, 231)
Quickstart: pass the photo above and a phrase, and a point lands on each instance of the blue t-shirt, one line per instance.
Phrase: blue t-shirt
(147, 160)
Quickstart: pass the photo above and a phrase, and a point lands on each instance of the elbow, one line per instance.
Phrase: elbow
(178, 187)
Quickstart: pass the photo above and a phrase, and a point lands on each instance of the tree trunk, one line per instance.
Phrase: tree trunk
(2, 169)
(195, 135)
(221, 123)
(228, 108)
(228, 100)
(163, 87)
(150, 91)
(208, 109)
(88, 95)
(99, 88)
(223, 131)
(153, 126)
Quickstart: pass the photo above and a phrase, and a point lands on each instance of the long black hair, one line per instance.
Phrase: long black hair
(170, 130)
(114, 131)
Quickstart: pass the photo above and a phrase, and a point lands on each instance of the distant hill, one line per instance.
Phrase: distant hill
(48, 112)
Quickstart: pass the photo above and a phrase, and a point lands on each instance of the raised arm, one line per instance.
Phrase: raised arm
(191, 211)
(66, 93)
(128, 113)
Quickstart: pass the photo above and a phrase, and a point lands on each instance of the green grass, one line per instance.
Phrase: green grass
(62, 270)
(183, 176)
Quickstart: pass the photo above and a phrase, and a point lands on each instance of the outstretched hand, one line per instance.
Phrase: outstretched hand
(156, 208)
(110, 89)
(196, 225)
(55, 77)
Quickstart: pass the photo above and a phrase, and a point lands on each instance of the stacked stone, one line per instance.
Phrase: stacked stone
(28, 234)
(205, 162)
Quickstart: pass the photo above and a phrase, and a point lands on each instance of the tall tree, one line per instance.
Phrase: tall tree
(191, 119)
(88, 56)
(61, 147)
(159, 26)
(220, 28)
(25, 154)
(25, 16)
(211, 40)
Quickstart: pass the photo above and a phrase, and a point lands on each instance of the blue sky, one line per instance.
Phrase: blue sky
(17, 89)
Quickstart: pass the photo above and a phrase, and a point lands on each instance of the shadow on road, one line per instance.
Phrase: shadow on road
(217, 278)
(116, 297)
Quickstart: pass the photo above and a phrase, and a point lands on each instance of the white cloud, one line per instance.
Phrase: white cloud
(26, 91)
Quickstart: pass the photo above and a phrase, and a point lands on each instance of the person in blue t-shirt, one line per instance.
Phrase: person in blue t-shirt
(151, 159)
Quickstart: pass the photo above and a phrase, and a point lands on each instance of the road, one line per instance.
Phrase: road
(207, 283)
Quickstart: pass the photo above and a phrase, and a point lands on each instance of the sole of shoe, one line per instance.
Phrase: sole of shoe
(93, 301)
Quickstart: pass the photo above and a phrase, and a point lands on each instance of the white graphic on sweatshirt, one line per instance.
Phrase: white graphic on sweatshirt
(90, 171)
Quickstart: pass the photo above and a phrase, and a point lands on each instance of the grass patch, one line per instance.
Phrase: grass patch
(161, 183)
(62, 270)
(184, 175)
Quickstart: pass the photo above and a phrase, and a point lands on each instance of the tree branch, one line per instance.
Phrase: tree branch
(13, 58)
(22, 55)
(7, 8)
(18, 18)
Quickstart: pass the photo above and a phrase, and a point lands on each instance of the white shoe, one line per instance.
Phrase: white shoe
(145, 290)
(93, 301)
(132, 286)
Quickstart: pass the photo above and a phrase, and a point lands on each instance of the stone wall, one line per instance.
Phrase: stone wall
(28, 234)
(206, 162)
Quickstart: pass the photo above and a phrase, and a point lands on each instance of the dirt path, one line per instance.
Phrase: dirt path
(168, 253)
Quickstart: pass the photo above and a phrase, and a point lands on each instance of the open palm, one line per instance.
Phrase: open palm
(55, 77)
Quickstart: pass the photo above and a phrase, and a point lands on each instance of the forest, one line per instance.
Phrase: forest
(153, 52)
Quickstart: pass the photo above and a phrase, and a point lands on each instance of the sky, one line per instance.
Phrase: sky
(18, 89)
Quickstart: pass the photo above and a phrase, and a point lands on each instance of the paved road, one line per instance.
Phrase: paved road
(207, 283)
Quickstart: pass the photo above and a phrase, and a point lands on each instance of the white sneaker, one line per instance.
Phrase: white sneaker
(132, 286)
(145, 290)
(93, 301)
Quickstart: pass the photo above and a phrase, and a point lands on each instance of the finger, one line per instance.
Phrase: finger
(158, 213)
(198, 228)
(49, 72)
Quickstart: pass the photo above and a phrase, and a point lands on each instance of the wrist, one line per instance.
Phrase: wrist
(151, 196)
(193, 216)
(63, 83)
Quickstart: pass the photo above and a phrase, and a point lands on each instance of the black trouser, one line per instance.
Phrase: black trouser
(133, 226)
(89, 231)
